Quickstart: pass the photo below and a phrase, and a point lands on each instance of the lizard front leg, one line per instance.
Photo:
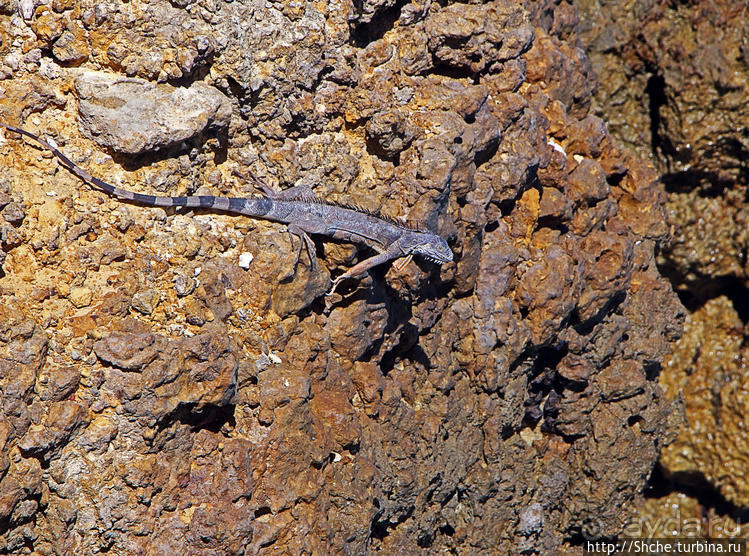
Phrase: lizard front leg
(364, 266)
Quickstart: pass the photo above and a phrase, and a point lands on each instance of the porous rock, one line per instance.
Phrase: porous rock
(23, 347)
(673, 83)
(200, 371)
(677, 513)
(706, 369)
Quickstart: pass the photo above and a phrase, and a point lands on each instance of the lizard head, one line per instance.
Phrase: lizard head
(427, 245)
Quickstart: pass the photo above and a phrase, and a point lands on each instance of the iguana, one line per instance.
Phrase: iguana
(301, 211)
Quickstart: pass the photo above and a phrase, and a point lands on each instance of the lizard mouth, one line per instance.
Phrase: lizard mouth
(437, 260)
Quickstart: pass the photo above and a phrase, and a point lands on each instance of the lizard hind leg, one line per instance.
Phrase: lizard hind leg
(264, 187)
(302, 192)
(309, 245)
(296, 192)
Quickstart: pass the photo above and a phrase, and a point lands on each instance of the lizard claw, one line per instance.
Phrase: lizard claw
(401, 264)
(335, 284)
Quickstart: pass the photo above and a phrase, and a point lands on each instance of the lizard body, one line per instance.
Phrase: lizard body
(300, 210)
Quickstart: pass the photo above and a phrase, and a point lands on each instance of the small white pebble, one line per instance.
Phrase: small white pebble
(557, 146)
(198, 270)
(245, 259)
(336, 457)
(274, 358)
(26, 8)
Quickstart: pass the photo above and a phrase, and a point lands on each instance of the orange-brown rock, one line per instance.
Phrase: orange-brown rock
(503, 403)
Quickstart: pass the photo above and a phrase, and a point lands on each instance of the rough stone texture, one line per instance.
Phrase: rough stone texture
(673, 88)
(673, 81)
(679, 515)
(709, 366)
(686, 65)
(674, 84)
(504, 403)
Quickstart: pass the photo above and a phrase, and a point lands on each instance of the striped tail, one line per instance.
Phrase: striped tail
(205, 201)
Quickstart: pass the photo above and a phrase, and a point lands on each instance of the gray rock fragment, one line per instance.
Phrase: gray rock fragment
(69, 49)
(13, 213)
(26, 8)
(184, 285)
(531, 519)
(145, 301)
(132, 116)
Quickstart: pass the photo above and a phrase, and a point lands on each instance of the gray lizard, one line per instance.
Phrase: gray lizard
(301, 211)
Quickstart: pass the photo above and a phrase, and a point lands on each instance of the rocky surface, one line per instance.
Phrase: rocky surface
(680, 515)
(164, 394)
(708, 367)
(673, 81)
